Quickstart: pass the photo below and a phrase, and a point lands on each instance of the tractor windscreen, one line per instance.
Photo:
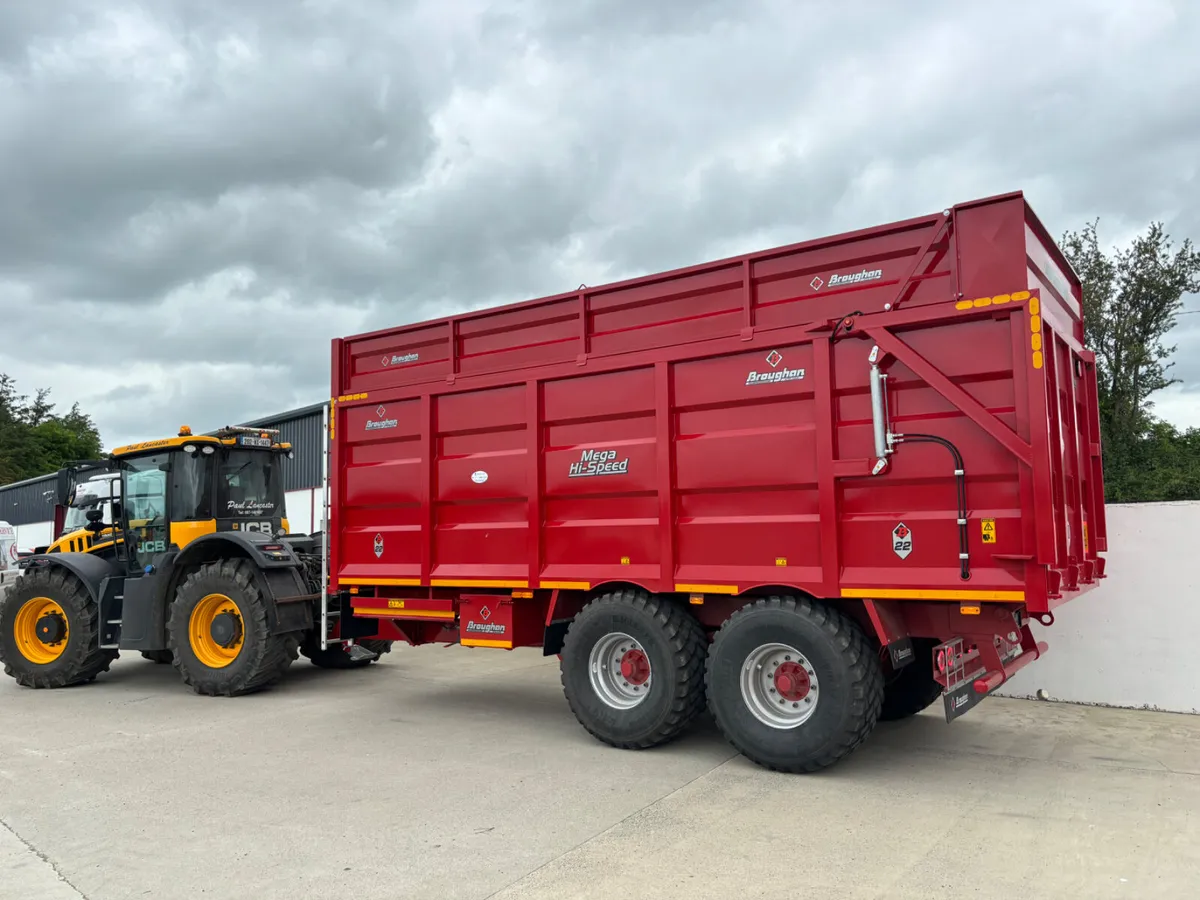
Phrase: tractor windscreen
(249, 485)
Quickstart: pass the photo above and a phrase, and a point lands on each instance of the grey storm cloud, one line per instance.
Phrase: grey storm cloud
(197, 197)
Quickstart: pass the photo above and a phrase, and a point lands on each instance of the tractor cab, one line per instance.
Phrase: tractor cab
(175, 490)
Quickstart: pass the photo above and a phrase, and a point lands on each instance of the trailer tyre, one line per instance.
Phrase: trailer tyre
(912, 688)
(793, 685)
(218, 634)
(48, 631)
(632, 669)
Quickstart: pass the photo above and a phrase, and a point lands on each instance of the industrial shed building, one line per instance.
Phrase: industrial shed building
(29, 505)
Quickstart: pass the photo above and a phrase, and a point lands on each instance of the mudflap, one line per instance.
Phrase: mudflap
(961, 700)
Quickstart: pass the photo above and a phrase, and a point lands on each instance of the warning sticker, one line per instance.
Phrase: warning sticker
(988, 527)
(902, 541)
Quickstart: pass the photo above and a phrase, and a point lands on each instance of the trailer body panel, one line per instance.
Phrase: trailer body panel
(710, 430)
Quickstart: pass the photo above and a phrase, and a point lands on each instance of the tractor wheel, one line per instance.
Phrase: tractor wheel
(337, 657)
(161, 657)
(218, 634)
(48, 631)
(633, 669)
(913, 688)
(793, 685)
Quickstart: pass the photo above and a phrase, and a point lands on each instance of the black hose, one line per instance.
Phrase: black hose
(960, 477)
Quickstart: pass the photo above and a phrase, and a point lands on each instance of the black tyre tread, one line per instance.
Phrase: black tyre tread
(273, 655)
(337, 658)
(912, 690)
(85, 660)
(689, 648)
(866, 684)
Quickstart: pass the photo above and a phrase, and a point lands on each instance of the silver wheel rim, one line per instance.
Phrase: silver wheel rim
(618, 687)
(779, 686)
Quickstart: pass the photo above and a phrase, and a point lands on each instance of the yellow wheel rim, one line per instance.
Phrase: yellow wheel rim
(207, 648)
(25, 630)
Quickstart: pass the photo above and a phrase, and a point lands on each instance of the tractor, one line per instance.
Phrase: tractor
(178, 548)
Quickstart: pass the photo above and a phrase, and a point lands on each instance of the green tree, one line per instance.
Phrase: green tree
(34, 440)
(1131, 298)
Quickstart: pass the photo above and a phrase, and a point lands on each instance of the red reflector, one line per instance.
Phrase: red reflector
(272, 546)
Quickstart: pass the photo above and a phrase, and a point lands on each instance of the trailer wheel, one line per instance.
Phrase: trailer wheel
(337, 657)
(912, 688)
(161, 657)
(632, 669)
(48, 631)
(218, 633)
(793, 685)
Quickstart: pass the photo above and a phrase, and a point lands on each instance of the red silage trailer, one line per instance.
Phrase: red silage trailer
(811, 487)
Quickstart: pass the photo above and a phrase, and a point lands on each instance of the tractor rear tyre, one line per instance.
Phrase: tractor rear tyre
(338, 657)
(794, 685)
(218, 634)
(48, 631)
(632, 669)
(161, 657)
(912, 688)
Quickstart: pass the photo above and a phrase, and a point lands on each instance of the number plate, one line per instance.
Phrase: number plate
(250, 440)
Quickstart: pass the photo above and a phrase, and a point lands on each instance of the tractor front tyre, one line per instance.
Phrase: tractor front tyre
(48, 631)
(218, 634)
(337, 656)
(161, 657)
(632, 669)
(794, 685)
(913, 688)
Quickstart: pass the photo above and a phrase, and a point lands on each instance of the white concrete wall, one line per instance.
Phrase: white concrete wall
(1132, 641)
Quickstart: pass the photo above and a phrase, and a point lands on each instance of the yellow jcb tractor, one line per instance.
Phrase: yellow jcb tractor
(184, 555)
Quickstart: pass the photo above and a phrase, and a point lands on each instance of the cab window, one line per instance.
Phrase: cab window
(191, 487)
(249, 486)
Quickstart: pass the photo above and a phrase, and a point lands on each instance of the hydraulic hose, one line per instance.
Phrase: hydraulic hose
(960, 479)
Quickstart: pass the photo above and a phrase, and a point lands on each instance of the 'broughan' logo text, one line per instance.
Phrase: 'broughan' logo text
(856, 278)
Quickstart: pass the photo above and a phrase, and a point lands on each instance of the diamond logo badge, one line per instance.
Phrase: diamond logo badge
(816, 284)
(386, 360)
(485, 614)
(379, 411)
(774, 358)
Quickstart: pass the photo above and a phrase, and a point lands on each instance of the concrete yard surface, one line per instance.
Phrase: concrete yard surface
(452, 773)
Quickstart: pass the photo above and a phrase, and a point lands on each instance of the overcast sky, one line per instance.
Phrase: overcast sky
(196, 195)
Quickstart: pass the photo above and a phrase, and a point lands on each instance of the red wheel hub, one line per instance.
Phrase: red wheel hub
(635, 668)
(792, 682)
